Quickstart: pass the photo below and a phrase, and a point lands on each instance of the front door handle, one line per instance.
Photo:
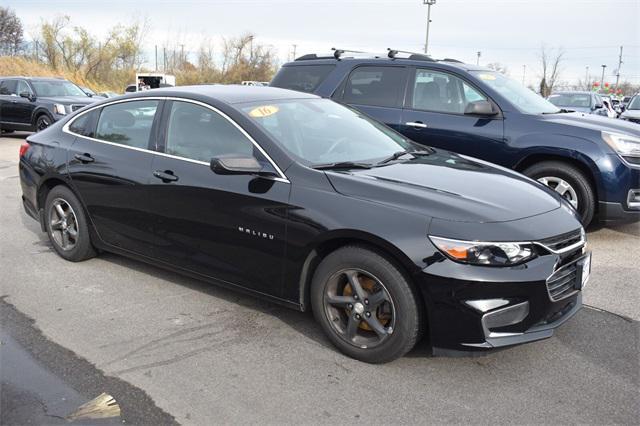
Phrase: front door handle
(84, 158)
(166, 176)
(416, 124)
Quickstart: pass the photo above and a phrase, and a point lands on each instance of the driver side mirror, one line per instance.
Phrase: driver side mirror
(479, 108)
(27, 95)
(235, 165)
(598, 106)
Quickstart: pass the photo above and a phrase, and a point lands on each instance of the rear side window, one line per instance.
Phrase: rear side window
(303, 78)
(127, 123)
(376, 86)
(85, 125)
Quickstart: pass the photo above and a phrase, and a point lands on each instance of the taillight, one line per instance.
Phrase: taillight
(24, 148)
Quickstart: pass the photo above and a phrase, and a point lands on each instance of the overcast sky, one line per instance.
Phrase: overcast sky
(506, 31)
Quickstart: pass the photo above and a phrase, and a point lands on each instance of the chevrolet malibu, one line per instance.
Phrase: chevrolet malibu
(313, 205)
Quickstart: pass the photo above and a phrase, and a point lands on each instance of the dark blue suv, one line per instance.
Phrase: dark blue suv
(594, 162)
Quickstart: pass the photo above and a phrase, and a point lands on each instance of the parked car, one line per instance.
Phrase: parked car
(34, 103)
(632, 111)
(108, 94)
(484, 114)
(148, 81)
(585, 102)
(608, 107)
(311, 204)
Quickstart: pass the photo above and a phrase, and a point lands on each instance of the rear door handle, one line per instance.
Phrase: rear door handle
(166, 176)
(416, 124)
(84, 158)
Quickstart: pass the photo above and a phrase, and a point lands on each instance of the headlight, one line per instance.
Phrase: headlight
(626, 146)
(489, 253)
(59, 109)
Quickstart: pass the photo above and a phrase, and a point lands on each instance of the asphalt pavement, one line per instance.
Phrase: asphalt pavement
(173, 349)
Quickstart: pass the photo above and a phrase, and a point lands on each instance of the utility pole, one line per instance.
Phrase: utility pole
(586, 78)
(429, 3)
(164, 59)
(602, 79)
(618, 71)
(294, 51)
(524, 73)
(478, 60)
(156, 57)
(182, 55)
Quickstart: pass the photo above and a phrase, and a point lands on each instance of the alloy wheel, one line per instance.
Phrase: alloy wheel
(359, 308)
(562, 187)
(43, 122)
(63, 224)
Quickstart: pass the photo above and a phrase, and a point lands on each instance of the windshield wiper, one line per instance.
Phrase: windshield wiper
(341, 165)
(399, 154)
(560, 111)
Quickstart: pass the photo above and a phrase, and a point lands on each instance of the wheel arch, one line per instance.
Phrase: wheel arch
(574, 160)
(337, 239)
(39, 112)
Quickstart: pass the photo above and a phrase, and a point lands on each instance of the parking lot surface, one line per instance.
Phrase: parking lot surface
(203, 354)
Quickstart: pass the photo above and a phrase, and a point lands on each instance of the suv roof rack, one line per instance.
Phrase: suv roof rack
(392, 53)
(452, 60)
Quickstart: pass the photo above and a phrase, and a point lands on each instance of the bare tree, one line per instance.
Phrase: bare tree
(11, 32)
(550, 61)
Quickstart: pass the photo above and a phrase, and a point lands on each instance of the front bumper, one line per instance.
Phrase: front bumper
(521, 292)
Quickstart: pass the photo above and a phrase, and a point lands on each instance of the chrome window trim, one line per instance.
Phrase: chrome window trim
(281, 178)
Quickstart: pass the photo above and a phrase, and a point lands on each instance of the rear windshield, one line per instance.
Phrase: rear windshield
(303, 78)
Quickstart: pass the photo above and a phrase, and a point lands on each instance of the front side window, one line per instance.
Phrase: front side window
(319, 131)
(442, 92)
(23, 87)
(199, 133)
(303, 78)
(525, 100)
(375, 86)
(56, 88)
(127, 123)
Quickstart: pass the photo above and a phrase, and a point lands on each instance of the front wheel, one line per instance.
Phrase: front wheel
(365, 305)
(570, 183)
(42, 122)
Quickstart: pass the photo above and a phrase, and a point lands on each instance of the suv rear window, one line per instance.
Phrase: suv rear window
(303, 78)
(376, 86)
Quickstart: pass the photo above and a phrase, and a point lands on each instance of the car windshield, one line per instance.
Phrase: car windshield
(526, 100)
(320, 131)
(571, 100)
(634, 103)
(56, 88)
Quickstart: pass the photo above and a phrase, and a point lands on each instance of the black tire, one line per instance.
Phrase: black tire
(79, 248)
(573, 176)
(407, 312)
(42, 122)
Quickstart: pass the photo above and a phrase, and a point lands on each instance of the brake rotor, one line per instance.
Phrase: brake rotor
(368, 284)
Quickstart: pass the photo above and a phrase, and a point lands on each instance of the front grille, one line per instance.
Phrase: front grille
(76, 107)
(562, 241)
(562, 283)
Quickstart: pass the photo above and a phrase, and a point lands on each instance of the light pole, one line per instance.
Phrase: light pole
(602, 79)
(586, 79)
(478, 60)
(429, 3)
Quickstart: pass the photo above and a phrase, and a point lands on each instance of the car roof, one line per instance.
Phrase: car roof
(444, 63)
(230, 94)
(34, 78)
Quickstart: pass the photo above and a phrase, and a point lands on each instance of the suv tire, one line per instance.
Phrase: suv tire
(552, 172)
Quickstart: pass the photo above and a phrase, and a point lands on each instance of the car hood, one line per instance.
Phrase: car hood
(593, 122)
(68, 100)
(449, 186)
(631, 113)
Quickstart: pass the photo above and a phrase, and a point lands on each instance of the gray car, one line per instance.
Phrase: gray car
(585, 102)
(632, 112)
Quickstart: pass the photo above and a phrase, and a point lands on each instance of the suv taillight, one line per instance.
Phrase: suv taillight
(24, 148)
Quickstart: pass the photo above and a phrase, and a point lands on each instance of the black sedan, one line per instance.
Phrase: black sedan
(314, 205)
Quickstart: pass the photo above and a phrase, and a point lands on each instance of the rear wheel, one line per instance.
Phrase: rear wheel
(365, 305)
(570, 183)
(67, 225)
